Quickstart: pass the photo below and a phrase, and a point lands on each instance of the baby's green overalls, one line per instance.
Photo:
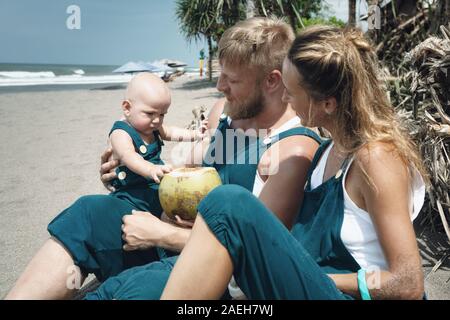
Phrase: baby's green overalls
(147, 282)
(91, 227)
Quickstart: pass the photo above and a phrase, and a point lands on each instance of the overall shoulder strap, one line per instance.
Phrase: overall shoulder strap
(223, 121)
(296, 131)
(158, 138)
(345, 165)
(223, 125)
(266, 143)
(137, 140)
(316, 159)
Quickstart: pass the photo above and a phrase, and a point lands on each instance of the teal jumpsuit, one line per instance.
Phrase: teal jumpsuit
(147, 282)
(269, 261)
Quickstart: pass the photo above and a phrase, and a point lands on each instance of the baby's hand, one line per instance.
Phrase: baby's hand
(158, 171)
(184, 223)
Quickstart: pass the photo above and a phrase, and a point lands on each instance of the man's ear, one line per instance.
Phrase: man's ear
(330, 105)
(126, 107)
(274, 81)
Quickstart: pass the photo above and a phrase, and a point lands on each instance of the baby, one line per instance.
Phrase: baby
(137, 139)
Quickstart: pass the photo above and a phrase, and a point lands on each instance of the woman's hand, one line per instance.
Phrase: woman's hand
(142, 230)
(107, 174)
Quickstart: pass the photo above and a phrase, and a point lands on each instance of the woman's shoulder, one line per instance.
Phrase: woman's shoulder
(376, 152)
(381, 163)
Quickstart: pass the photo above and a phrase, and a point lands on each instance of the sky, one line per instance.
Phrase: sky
(112, 32)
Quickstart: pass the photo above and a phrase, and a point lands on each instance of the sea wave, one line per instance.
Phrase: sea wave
(40, 79)
(78, 71)
(26, 74)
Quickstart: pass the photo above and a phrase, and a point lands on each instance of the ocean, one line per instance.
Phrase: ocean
(44, 77)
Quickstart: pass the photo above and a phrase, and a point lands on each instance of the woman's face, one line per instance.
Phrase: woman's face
(309, 111)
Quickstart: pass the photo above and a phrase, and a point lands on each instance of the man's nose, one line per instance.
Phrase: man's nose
(221, 85)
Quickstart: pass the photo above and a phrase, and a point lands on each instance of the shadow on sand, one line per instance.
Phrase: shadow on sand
(198, 84)
(113, 87)
(433, 247)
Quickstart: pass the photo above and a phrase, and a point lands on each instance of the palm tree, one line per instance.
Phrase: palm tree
(208, 19)
(199, 18)
(294, 10)
(351, 13)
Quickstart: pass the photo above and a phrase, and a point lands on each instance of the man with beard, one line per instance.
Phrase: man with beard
(272, 161)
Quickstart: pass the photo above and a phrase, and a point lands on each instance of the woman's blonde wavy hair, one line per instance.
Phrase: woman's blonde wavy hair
(341, 63)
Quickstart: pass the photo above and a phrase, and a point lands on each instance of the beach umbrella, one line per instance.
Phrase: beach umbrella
(131, 67)
(159, 66)
(176, 63)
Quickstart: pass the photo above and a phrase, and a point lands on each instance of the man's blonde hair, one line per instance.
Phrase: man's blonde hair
(258, 43)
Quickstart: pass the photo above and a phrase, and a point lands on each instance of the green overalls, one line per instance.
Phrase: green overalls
(90, 229)
(269, 261)
(148, 281)
(141, 192)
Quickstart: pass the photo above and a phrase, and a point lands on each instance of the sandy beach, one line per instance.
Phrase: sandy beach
(51, 144)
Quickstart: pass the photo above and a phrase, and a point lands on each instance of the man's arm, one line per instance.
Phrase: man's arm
(142, 230)
(283, 191)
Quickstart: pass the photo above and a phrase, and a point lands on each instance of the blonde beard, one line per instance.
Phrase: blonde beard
(247, 109)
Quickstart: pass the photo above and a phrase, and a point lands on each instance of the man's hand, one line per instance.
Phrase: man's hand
(142, 230)
(107, 174)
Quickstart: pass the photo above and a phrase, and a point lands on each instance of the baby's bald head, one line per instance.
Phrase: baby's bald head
(148, 89)
(146, 102)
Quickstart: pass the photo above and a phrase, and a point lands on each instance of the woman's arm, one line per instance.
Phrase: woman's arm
(386, 197)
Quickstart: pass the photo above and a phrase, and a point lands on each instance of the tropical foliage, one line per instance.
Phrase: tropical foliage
(208, 19)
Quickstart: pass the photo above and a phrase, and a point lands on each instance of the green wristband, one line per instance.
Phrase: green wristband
(362, 285)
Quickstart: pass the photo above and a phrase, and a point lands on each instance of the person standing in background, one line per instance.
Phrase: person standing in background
(201, 60)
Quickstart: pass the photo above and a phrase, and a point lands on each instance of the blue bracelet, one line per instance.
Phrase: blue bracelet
(362, 285)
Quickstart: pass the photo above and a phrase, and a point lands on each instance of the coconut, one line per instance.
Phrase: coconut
(182, 189)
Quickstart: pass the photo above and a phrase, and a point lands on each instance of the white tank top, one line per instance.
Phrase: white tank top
(259, 182)
(358, 232)
(235, 292)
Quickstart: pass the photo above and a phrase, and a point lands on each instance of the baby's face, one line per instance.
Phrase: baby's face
(146, 116)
